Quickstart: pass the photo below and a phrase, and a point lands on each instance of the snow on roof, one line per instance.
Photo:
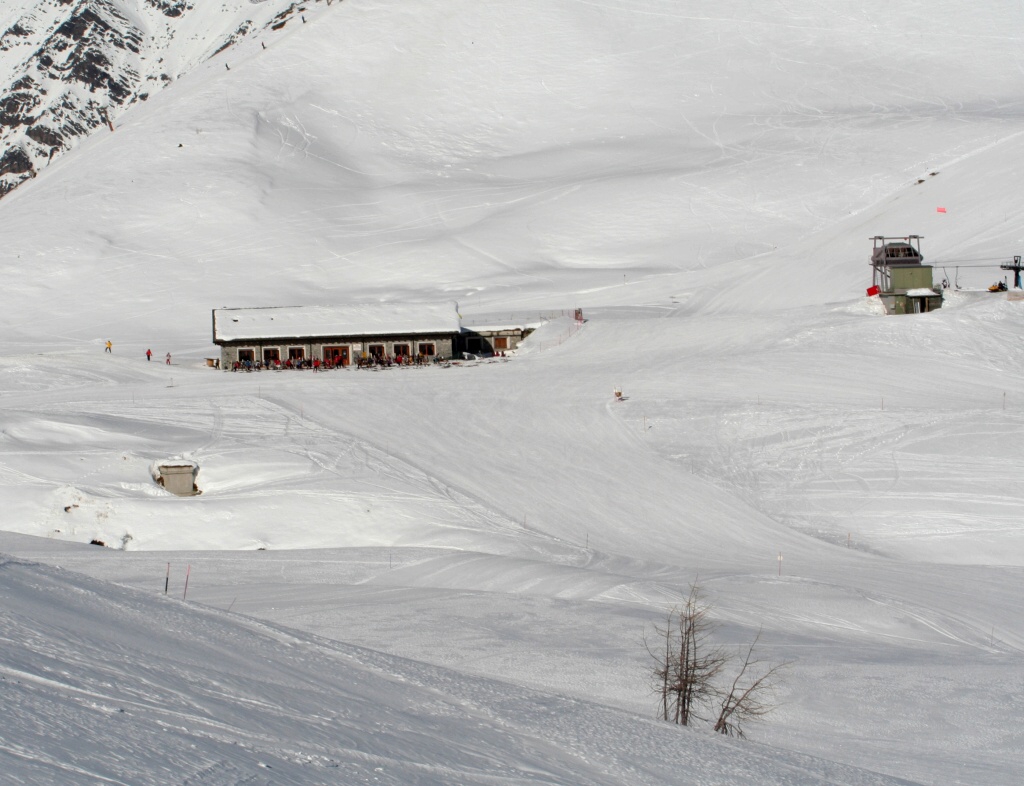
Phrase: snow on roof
(239, 324)
(922, 292)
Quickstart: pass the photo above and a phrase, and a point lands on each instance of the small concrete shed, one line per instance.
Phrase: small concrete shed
(178, 477)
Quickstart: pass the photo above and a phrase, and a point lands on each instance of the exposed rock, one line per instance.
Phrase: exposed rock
(15, 161)
(92, 70)
(171, 8)
(10, 37)
(45, 136)
(16, 108)
(235, 37)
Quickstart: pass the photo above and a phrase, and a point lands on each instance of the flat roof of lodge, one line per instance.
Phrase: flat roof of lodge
(376, 319)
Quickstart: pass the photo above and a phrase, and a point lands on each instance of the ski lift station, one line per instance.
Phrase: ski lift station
(900, 278)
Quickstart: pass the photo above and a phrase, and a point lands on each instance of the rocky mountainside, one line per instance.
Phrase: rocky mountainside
(69, 67)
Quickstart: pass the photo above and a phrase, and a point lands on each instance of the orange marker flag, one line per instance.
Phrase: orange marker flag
(940, 210)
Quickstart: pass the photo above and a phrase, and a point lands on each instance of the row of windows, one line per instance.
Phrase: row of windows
(340, 355)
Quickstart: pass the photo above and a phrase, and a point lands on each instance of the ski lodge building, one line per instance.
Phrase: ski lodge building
(347, 334)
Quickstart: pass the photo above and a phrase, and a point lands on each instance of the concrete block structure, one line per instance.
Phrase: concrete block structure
(178, 478)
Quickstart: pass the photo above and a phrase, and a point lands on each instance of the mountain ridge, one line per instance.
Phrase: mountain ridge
(70, 67)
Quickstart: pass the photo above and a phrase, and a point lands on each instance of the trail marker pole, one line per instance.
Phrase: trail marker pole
(167, 578)
(189, 571)
(780, 563)
(1004, 400)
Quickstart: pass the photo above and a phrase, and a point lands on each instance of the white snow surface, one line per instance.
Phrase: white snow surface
(445, 574)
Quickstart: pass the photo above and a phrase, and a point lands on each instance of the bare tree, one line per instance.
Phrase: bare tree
(688, 667)
(751, 695)
(688, 664)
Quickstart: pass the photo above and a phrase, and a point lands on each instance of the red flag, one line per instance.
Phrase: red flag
(940, 210)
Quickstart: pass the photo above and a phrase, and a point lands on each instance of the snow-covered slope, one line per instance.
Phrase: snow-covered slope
(103, 684)
(527, 156)
(703, 179)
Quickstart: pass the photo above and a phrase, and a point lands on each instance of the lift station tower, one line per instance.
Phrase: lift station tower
(899, 277)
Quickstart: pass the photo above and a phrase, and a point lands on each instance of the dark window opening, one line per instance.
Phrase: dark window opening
(296, 353)
(426, 349)
(246, 354)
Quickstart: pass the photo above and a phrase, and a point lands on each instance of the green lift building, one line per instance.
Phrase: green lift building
(900, 278)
